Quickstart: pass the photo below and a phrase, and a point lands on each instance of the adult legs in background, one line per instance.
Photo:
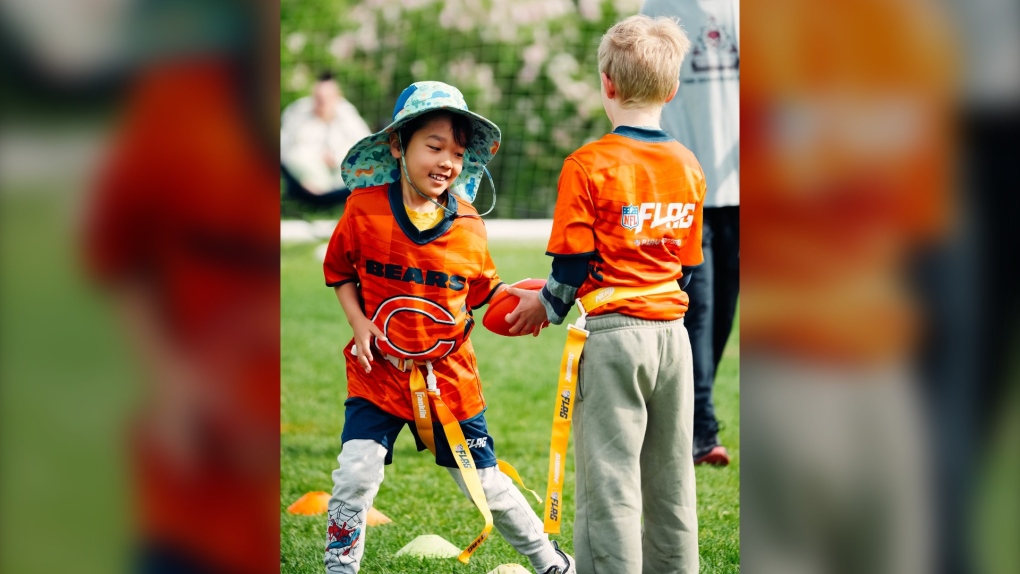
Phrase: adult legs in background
(714, 288)
(297, 191)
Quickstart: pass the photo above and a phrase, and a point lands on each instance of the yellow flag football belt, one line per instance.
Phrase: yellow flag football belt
(565, 390)
(424, 394)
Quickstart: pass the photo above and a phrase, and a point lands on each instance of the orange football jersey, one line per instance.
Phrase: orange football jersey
(633, 202)
(165, 222)
(420, 288)
(848, 171)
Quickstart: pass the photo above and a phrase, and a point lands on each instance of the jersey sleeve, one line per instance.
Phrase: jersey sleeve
(340, 264)
(690, 252)
(574, 218)
(482, 287)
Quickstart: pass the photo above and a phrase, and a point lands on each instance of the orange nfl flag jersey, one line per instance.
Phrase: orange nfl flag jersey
(635, 208)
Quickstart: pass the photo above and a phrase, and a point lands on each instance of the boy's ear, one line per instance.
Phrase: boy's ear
(608, 86)
(673, 93)
(394, 145)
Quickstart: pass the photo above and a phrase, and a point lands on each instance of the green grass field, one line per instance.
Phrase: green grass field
(519, 377)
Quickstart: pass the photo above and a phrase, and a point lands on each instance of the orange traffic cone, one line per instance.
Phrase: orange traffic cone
(376, 518)
(313, 503)
(310, 504)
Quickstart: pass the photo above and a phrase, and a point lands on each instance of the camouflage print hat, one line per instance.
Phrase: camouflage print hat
(370, 163)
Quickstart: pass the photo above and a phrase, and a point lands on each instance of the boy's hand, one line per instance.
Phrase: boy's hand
(529, 315)
(364, 330)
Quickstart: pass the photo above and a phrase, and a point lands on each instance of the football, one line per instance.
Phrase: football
(503, 304)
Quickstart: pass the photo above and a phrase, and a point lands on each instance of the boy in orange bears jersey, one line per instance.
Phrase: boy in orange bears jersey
(628, 215)
(410, 262)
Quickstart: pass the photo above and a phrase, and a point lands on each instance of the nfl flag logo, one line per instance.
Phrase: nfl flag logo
(630, 217)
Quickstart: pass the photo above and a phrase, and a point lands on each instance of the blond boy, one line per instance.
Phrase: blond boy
(628, 214)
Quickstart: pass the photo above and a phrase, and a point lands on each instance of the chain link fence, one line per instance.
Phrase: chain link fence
(528, 65)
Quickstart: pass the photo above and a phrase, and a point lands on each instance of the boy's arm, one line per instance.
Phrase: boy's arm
(567, 276)
(571, 246)
(485, 286)
(553, 302)
(363, 327)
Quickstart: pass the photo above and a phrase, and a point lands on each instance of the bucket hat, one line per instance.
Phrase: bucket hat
(370, 163)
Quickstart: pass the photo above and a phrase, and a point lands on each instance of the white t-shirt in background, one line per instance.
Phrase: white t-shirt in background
(305, 138)
(705, 114)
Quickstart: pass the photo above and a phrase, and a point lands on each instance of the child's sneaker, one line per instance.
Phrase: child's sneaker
(568, 560)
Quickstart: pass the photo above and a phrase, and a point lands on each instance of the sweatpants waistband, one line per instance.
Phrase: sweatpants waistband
(617, 321)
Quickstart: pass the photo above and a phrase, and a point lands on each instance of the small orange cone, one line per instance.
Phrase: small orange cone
(314, 503)
(310, 504)
(376, 518)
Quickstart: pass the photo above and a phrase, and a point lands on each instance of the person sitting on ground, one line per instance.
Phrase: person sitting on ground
(316, 132)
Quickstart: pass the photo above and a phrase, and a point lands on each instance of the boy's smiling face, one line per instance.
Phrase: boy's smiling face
(433, 156)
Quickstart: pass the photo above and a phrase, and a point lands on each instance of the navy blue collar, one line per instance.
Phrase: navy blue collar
(643, 134)
(420, 237)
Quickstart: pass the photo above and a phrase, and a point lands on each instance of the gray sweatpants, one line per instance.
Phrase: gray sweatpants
(632, 442)
(356, 483)
(842, 467)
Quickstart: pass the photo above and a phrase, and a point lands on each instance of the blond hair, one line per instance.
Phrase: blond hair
(642, 57)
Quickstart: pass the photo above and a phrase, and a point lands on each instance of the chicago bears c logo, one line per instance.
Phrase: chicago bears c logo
(416, 328)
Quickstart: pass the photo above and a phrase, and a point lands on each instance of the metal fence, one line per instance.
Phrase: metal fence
(528, 65)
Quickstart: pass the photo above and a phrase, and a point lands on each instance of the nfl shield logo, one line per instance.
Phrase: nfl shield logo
(629, 219)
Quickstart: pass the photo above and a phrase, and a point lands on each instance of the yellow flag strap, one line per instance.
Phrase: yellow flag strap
(510, 471)
(422, 396)
(422, 413)
(605, 295)
(562, 416)
(462, 454)
(563, 412)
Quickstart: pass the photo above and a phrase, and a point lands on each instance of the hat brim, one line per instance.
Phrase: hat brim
(370, 163)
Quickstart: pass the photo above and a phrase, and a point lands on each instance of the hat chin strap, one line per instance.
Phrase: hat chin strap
(493, 186)
(403, 166)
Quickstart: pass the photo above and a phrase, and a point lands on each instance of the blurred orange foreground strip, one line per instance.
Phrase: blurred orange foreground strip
(314, 503)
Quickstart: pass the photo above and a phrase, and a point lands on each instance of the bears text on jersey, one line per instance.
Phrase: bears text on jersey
(415, 275)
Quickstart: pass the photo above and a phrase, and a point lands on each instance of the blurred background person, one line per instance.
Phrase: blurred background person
(970, 367)
(705, 117)
(316, 132)
(850, 179)
(182, 234)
